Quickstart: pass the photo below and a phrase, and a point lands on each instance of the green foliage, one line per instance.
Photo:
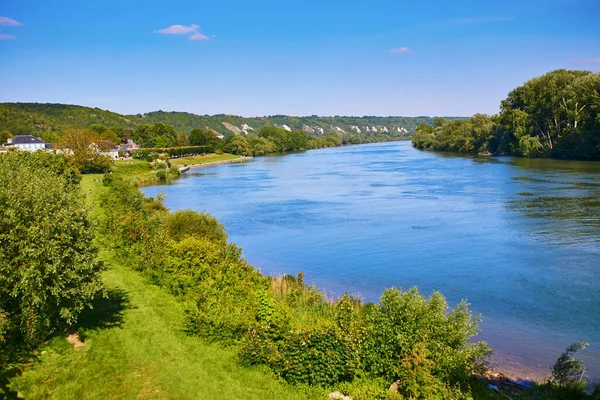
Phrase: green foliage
(204, 137)
(43, 119)
(83, 150)
(190, 223)
(48, 267)
(568, 371)
(465, 136)
(150, 154)
(158, 135)
(321, 356)
(553, 115)
(286, 325)
(4, 136)
(403, 320)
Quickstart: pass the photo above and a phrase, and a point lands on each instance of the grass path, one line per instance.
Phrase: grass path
(135, 348)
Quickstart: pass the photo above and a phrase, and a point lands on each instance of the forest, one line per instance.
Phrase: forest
(47, 120)
(555, 115)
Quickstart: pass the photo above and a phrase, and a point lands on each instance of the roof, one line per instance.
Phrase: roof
(110, 145)
(26, 139)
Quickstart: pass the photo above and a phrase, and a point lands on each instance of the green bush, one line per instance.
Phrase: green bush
(190, 223)
(321, 356)
(404, 320)
(147, 153)
(48, 267)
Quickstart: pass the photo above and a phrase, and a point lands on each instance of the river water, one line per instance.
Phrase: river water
(518, 238)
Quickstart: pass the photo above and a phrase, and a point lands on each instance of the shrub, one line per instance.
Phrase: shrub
(567, 370)
(403, 321)
(321, 356)
(48, 267)
(190, 223)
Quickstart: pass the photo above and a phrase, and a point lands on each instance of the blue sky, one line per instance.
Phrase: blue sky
(297, 57)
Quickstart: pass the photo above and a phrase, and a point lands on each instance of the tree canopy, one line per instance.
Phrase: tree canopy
(553, 115)
(48, 267)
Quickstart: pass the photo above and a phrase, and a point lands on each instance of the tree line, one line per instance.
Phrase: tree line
(554, 115)
(46, 120)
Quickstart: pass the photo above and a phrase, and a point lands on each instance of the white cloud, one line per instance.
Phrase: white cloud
(178, 30)
(5, 21)
(192, 30)
(4, 36)
(198, 36)
(400, 50)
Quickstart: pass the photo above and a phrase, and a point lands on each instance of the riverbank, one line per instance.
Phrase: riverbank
(239, 159)
(142, 172)
(309, 213)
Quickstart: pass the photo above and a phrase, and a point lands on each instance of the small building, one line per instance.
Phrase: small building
(128, 148)
(3, 149)
(108, 148)
(27, 143)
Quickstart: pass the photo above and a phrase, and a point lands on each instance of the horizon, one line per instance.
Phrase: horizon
(296, 59)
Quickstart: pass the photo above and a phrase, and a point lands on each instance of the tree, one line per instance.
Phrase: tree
(48, 267)
(237, 145)
(204, 137)
(81, 145)
(4, 136)
(182, 140)
(567, 370)
(108, 134)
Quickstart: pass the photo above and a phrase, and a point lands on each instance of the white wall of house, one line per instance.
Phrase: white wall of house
(30, 146)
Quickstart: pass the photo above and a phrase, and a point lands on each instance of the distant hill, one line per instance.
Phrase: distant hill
(39, 118)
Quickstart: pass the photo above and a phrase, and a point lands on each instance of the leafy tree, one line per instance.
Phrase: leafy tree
(84, 151)
(108, 134)
(237, 145)
(204, 137)
(48, 267)
(4, 136)
(567, 370)
(182, 140)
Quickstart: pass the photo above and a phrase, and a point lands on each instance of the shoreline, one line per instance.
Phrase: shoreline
(242, 159)
(513, 367)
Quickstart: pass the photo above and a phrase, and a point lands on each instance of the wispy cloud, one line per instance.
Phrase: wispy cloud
(184, 30)
(5, 21)
(198, 36)
(4, 36)
(400, 50)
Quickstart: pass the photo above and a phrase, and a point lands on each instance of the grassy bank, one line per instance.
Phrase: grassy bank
(142, 172)
(135, 347)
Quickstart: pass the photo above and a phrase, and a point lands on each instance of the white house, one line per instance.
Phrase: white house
(128, 148)
(27, 142)
(108, 148)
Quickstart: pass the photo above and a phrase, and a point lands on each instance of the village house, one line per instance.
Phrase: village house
(128, 148)
(108, 148)
(27, 143)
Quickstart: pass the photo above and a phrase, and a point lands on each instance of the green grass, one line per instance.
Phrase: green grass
(135, 348)
(209, 158)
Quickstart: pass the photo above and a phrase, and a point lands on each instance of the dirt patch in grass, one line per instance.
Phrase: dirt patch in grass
(73, 338)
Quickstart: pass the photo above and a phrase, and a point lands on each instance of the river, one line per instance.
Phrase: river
(518, 238)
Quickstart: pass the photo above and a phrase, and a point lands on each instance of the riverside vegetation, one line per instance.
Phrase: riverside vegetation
(307, 345)
(554, 115)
